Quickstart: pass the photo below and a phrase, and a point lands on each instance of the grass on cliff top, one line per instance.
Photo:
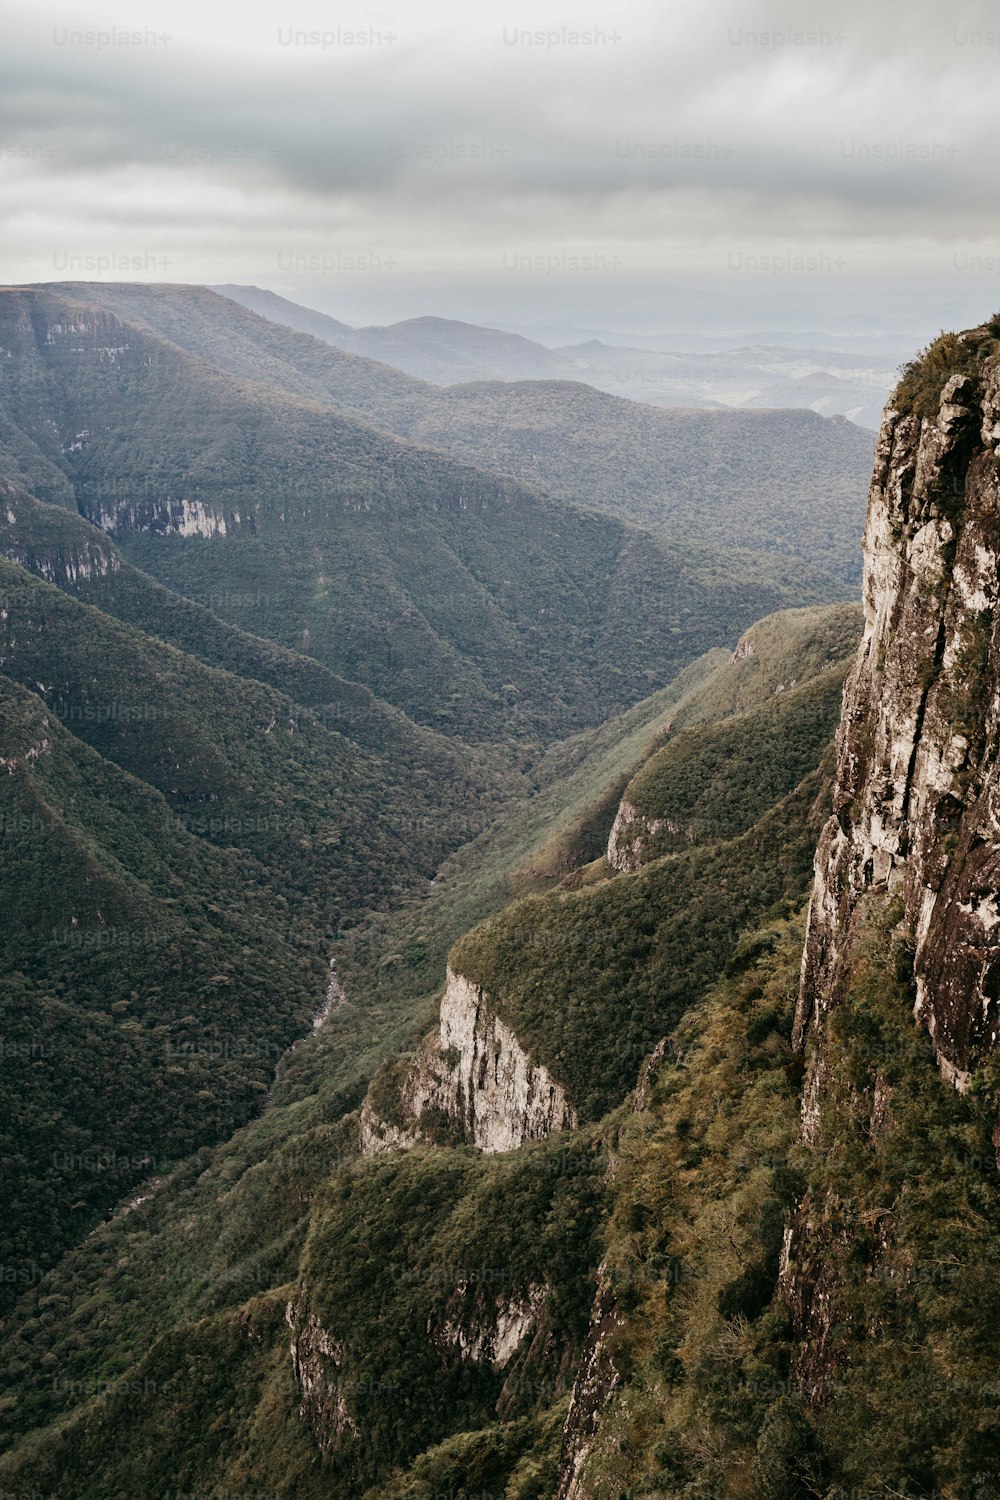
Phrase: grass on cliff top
(923, 378)
(714, 782)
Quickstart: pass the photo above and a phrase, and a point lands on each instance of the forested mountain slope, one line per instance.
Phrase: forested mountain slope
(443, 1269)
(471, 603)
(789, 482)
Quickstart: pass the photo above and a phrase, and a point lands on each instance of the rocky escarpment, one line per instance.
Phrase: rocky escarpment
(917, 795)
(317, 1363)
(475, 1074)
(630, 835)
(166, 516)
(916, 822)
(494, 1333)
(598, 1378)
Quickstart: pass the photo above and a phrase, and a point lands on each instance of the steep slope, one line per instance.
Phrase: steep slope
(61, 547)
(785, 481)
(781, 1206)
(365, 1274)
(182, 846)
(462, 598)
(132, 951)
(772, 481)
(834, 1328)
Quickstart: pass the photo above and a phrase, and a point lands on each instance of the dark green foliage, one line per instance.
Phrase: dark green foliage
(427, 1241)
(249, 1207)
(928, 1281)
(790, 483)
(181, 848)
(711, 1164)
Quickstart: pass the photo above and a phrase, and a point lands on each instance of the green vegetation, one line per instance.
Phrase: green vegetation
(590, 979)
(924, 377)
(710, 785)
(281, 1204)
(786, 484)
(909, 1214)
(182, 848)
(705, 1180)
(397, 1249)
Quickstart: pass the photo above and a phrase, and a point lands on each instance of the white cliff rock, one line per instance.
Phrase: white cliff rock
(477, 1074)
(317, 1361)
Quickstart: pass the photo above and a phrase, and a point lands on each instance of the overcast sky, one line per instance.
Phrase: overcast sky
(635, 167)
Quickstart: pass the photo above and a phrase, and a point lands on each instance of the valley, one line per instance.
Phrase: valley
(498, 959)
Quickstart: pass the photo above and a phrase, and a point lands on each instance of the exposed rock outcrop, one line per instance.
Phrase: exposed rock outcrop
(182, 517)
(317, 1361)
(475, 1073)
(917, 792)
(597, 1380)
(492, 1336)
(917, 795)
(630, 834)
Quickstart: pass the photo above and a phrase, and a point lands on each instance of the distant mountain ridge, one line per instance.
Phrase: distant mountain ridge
(448, 351)
(786, 482)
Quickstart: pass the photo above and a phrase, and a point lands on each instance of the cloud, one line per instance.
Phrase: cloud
(226, 139)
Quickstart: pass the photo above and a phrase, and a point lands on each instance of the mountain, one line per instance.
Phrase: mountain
(786, 482)
(453, 1254)
(660, 1177)
(251, 792)
(448, 352)
(471, 603)
(182, 845)
(279, 310)
(853, 382)
(796, 489)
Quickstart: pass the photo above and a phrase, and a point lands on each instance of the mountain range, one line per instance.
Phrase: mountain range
(795, 490)
(671, 372)
(498, 976)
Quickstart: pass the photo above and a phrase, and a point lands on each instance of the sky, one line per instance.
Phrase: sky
(643, 167)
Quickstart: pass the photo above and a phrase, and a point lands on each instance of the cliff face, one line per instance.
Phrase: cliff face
(630, 833)
(476, 1074)
(916, 801)
(317, 1364)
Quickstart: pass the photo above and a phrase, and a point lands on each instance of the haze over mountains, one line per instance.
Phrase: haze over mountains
(848, 377)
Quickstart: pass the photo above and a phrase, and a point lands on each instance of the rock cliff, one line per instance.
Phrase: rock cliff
(916, 808)
(317, 1362)
(474, 1073)
(916, 800)
(630, 834)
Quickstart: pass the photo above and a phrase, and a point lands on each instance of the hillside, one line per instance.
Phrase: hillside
(165, 822)
(789, 482)
(306, 1220)
(467, 601)
(677, 371)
